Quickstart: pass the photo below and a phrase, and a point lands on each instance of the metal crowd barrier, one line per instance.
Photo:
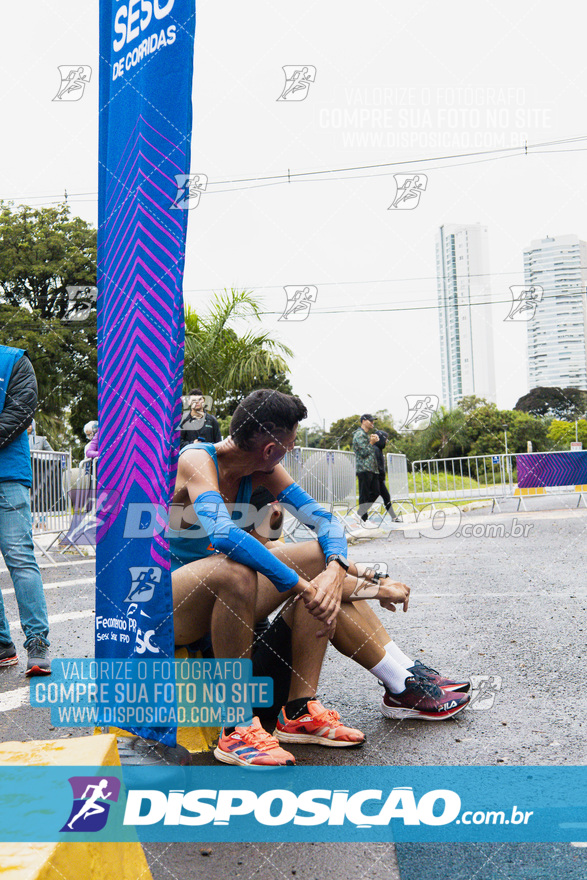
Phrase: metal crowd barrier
(50, 507)
(463, 479)
(82, 494)
(397, 471)
(328, 475)
(62, 501)
(49, 501)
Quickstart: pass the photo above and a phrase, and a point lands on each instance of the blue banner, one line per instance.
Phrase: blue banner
(367, 804)
(146, 63)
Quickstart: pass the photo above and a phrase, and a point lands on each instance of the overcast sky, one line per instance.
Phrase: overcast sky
(395, 83)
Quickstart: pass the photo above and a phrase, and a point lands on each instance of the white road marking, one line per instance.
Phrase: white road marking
(59, 618)
(14, 699)
(51, 565)
(522, 593)
(17, 698)
(54, 584)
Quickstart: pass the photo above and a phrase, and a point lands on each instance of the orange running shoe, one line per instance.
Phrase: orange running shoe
(251, 746)
(320, 726)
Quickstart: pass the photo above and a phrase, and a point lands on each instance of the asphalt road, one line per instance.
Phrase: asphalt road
(509, 609)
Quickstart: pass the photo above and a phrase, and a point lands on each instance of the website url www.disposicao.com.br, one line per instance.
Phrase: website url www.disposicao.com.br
(278, 807)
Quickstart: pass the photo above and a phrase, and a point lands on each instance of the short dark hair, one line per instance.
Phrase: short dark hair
(195, 391)
(265, 412)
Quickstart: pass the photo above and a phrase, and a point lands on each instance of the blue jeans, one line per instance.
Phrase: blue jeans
(16, 544)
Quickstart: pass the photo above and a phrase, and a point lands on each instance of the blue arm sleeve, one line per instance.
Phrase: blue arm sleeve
(227, 538)
(328, 529)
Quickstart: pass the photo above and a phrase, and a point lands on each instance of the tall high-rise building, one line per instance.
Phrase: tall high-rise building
(557, 333)
(466, 329)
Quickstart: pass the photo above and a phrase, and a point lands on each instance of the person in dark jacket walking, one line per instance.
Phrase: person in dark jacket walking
(383, 491)
(198, 424)
(18, 401)
(366, 464)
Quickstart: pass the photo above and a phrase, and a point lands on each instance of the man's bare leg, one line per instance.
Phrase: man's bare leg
(307, 653)
(218, 596)
(360, 634)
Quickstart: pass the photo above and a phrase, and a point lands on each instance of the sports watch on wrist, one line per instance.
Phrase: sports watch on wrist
(336, 557)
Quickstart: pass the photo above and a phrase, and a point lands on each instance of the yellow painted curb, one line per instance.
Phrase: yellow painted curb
(536, 490)
(69, 861)
(194, 739)
(73, 861)
(97, 751)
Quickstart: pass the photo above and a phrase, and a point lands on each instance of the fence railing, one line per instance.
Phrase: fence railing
(463, 479)
(50, 506)
(62, 500)
(328, 475)
(397, 471)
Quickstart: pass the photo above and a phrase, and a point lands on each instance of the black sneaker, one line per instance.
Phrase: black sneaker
(422, 699)
(38, 661)
(8, 655)
(446, 684)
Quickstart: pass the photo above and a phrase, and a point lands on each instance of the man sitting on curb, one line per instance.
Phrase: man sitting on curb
(224, 580)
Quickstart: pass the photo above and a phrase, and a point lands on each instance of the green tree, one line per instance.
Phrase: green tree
(445, 436)
(566, 404)
(523, 428)
(471, 402)
(275, 379)
(64, 358)
(340, 435)
(224, 363)
(562, 434)
(42, 251)
(486, 427)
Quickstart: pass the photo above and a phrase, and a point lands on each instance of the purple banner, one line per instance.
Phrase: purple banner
(539, 469)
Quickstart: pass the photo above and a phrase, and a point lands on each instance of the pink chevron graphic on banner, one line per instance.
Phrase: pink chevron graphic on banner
(140, 384)
(542, 469)
(144, 148)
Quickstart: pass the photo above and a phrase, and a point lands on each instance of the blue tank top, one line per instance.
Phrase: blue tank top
(186, 547)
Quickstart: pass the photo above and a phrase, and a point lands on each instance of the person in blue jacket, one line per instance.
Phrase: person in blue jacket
(18, 401)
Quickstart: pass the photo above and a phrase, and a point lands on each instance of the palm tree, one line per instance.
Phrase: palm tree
(219, 360)
(445, 436)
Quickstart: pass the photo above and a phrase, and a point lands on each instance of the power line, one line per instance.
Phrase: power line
(376, 311)
(516, 272)
(299, 176)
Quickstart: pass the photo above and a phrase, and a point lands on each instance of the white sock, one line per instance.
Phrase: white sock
(398, 655)
(392, 674)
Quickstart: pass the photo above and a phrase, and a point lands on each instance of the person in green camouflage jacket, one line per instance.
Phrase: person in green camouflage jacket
(366, 464)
